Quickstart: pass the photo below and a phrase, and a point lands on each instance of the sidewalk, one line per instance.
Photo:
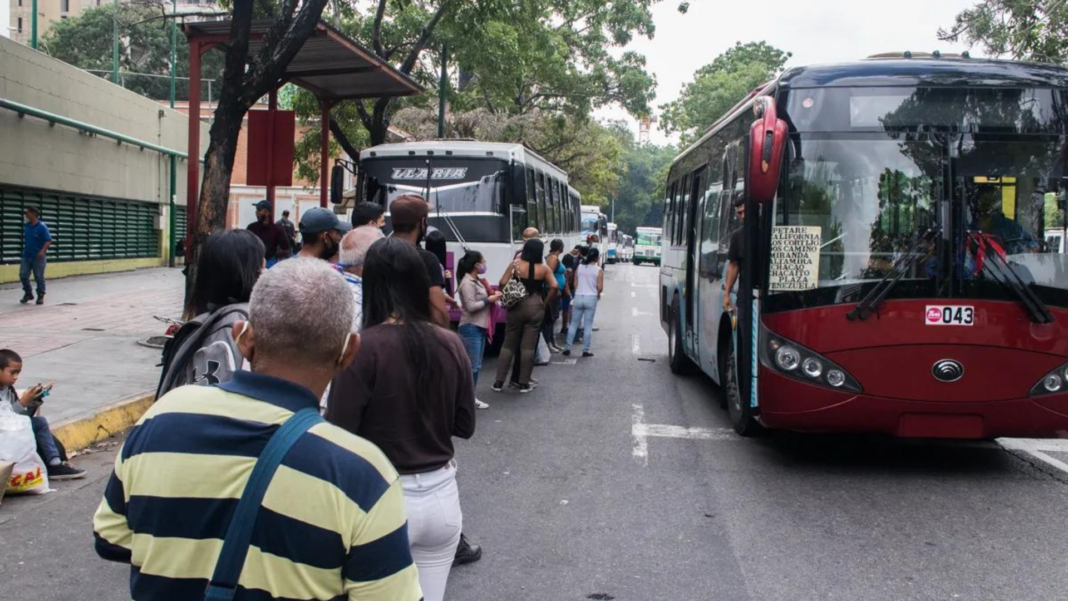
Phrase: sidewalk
(84, 338)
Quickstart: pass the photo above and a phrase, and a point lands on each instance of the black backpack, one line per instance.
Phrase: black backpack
(202, 351)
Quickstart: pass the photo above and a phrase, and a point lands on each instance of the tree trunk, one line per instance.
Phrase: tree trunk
(380, 122)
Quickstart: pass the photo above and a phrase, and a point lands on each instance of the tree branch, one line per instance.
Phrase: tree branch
(343, 141)
(376, 35)
(424, 37)
(365, 117)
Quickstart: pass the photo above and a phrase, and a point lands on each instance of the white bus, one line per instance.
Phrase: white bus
(594, 223)
(485, 194)
(647, 246)
(611, 244)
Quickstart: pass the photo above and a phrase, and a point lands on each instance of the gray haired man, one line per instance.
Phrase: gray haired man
(333, 488)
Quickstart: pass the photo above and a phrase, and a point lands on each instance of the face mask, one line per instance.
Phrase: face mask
(329, 248)
(481, 268)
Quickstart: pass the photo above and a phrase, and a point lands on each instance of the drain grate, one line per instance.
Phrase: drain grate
(92, 329)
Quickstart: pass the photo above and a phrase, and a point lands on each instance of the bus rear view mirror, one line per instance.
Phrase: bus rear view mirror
(767, 141)
(337, 184)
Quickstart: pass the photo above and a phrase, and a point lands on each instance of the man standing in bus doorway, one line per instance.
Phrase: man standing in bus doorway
(34, 248)
(735, 253)
(271, 234)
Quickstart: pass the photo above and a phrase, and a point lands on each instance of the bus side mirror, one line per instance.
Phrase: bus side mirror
(767, 140)
(337, 184)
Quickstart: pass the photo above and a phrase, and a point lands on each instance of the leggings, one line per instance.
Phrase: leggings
(521, 330)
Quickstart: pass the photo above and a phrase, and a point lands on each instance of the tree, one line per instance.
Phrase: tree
(85, 41)
(1033, 30)
(720, 85)
(246, 79)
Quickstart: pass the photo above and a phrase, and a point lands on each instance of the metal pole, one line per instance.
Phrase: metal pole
(171, 239)
(442, 87)
(324, 152)
(192, 167)
(115, 43)
(272, 108)
(33, 26)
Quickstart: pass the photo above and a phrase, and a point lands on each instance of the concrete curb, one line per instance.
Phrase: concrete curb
(79, 434)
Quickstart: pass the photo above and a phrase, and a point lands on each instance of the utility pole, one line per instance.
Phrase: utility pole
(443, 86)
(174, 160)
(33, 26)
(114, 44)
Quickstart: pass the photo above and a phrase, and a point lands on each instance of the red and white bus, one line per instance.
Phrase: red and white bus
(896, 274)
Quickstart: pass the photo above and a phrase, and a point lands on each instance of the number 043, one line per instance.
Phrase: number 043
(949, 315)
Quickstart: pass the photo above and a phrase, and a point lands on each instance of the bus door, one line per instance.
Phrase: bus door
(691, 299)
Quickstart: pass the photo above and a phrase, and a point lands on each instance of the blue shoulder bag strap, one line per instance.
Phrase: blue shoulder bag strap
(223, 584)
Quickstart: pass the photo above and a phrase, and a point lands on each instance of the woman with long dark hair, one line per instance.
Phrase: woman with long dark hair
(229, 265)
(589, 284)
(436, 244)
(475, 299)
(409, 391)
(525, 319)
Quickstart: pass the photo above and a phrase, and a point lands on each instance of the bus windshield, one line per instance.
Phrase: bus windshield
(589, 223)
(456, 185)
(872, 198)
(648, 239)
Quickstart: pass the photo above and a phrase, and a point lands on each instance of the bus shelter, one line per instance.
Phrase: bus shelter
(330, 65)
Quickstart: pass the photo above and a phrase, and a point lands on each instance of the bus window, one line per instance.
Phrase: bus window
(673, 193)
(542, 204)
(680, 220)
(532, 200)
(554, 210)
(726, 209)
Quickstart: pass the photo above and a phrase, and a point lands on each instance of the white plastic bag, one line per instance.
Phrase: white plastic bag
(17, 444)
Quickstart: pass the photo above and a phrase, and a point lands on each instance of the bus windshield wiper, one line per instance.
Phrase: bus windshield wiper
(875, 296)
(1010, 279)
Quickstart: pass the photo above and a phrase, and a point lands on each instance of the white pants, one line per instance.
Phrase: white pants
(434, 524)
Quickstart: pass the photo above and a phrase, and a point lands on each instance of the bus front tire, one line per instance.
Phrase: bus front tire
(741, 414)
(679, 363)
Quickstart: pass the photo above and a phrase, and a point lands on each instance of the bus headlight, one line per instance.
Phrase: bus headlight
(1053, 382)
(812, 367)
(799, 363)
(787, 358)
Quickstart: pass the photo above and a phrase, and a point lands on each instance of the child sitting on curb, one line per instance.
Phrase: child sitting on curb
(27, 404)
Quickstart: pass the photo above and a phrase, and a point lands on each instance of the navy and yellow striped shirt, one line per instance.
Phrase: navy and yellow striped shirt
(332, 524)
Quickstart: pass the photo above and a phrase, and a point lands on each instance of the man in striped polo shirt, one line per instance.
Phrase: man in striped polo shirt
(332, 523)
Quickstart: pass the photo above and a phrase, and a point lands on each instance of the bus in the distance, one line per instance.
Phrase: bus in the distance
(484, 195)
(891, 221)
(594, 222)
(611, 244)
(647, 245)
(626, 248)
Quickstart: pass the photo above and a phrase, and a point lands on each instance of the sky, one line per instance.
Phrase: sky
(815, 31)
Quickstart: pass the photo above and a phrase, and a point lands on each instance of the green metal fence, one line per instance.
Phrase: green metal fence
(83, 227)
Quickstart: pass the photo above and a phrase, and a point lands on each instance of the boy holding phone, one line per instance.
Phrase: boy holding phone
(27, 403)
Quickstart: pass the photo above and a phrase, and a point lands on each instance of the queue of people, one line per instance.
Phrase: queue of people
(370, 494)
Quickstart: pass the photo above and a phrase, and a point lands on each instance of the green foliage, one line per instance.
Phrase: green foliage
(720, 85)
(1023, 29)
(85, 41)
(641, 192)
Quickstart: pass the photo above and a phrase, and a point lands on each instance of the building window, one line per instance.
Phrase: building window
(64, 6)
(19, 28)
(20, 3)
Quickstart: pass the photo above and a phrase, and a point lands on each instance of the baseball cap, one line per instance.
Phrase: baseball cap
(409, 209)
(318, 220)
(263, 204)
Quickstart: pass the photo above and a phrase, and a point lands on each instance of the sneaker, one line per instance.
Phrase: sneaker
(541, 363)
(518, 386)
(556, 349)
(525, 388)
(26, 298)
(497, 386)
(40, 299)
(534, 382)
(480, 405)
(587, 354)
(466, 552)
(64, 471)
(567, 352)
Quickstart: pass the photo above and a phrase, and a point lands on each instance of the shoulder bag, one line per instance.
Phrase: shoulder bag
(514, 290)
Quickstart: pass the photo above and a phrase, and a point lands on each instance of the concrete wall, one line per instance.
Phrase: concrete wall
(36, 155)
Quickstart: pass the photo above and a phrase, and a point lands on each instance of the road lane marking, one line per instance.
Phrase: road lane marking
(640, 452)
(633, 285)
(636, 313)
(665, 431)
(1039, 449)
(633, 294)
(635, 345)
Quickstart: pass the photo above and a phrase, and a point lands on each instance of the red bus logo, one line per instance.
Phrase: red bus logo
(934, 314)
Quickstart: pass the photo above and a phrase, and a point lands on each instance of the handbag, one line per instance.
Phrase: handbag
(223, 583)
(514, 291)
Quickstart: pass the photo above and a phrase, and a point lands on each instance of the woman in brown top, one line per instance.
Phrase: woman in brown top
(524, 320)
(409, 391)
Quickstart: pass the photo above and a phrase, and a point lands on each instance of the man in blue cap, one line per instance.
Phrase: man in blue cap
(321, 232)
(274, 237)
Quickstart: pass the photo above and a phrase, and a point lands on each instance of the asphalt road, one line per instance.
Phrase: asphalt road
(557, 489)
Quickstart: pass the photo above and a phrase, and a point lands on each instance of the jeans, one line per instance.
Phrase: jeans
(46, 445)
(37, 266)
(474, 339)
(583, 308)
(432, 500)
